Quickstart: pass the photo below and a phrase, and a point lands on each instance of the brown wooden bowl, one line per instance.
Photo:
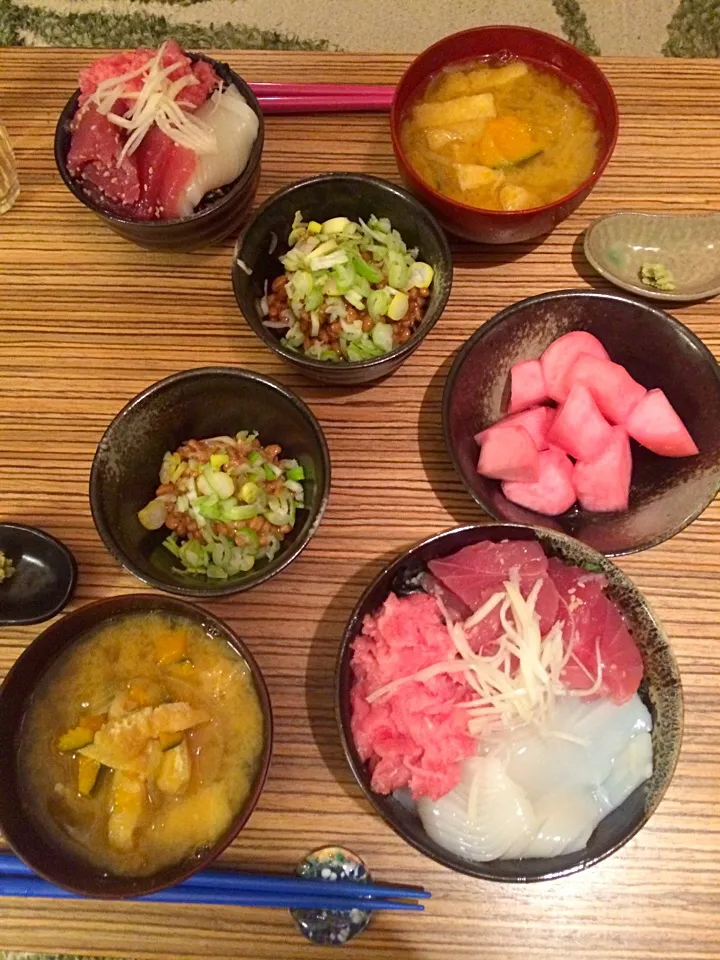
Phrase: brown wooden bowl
(218, 214)
(666, 493)
(30, 843)
(660, 690)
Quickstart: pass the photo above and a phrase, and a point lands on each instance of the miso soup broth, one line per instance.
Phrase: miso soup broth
(141, 743)
(501, 136)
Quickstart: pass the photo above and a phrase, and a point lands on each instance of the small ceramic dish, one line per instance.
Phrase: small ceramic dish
(666, 493)
(688, 246)
(218, 214)
(196, 404)
(351, 195)
(44, 577)
(660, 690)
(45, 856)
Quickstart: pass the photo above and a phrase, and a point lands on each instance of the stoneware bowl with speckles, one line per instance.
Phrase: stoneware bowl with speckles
(48, 859)
(195, 404)
(218, 215)
(618, 245)
(660, 690)
(351, 195)
(666, 493)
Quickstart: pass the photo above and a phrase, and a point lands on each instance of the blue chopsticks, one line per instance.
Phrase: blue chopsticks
(218, 887)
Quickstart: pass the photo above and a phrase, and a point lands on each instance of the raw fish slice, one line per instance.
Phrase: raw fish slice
(95, 147)
(485, 634)
(488, 564)
(164, 168)
(566, 821)
(235, 126)
(630, 768)
(502, 816)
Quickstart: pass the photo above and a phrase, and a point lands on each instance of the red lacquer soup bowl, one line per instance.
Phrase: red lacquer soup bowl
(538, 49)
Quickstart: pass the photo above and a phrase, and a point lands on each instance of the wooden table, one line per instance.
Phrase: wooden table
(87, 320)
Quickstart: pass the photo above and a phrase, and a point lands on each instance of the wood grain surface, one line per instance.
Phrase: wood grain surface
(87, 321)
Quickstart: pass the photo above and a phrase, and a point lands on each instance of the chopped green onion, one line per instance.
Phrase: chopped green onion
(367, 270)
(152, 517)
(382, 336)
(296, 473)
(399, 306)
(242, 513)
(377, 303)
(335, 225)
(218, 460)
(355, 299)
(249, 492)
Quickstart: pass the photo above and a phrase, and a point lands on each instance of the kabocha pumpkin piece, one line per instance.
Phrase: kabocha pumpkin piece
(169, 740)
(75, 738)
(88, 771)
(506, 141)
(171, 647)
(175, 769)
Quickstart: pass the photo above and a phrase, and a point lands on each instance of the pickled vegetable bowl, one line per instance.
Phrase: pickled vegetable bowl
(351, 291)
(229, 503)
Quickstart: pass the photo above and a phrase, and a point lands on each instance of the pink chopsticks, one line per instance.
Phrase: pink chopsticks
(278, 98)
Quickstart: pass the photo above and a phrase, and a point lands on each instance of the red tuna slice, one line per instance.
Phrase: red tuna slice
(483, 636)
(165, 169)
(553, 493)
(614, 390)
(560, 356)
(603, 484)
(655, 424)
(480, 568)
(527, 385)
(508, 453)
(192, 97)
(536, 421)
(592, 622)
(94, 150)
(579, 428)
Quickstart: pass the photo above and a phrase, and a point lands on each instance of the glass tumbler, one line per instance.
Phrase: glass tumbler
(9, 185)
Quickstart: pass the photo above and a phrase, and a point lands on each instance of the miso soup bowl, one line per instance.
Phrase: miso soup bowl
(218, 215)
(196, 404)
(39, 851)
(541, 50)
(660, 690)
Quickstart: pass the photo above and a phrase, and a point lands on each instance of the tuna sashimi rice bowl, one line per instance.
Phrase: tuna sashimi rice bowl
(158, 134)
(509, 703)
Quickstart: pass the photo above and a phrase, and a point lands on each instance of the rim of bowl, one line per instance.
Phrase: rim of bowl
(496, 320)
(395, 120)
(283, 558)
(137, 602)
(67, 556)
(350, 632)
(399, 353)
(239, 185)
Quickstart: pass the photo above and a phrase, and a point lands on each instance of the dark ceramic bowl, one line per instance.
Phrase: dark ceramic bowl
(44, 577)
(331, 195)
(38, 850)
(660, 690)
(666, 493)
(543, 51)
(208, 402)
(219, 213)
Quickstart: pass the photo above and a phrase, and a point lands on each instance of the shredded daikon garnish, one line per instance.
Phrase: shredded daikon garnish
(155, 103)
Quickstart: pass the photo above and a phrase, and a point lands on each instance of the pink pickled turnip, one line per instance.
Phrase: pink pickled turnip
(579, 428)
(552, 493)
(562, 354)
(655, 424)
(603, 484)
(536, 421)
(614, 390)
(527, 385)
(509, 454)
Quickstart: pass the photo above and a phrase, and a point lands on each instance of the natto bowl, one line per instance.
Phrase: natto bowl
(45, 856)
(218, 215)
(320, 198)
(196, 404)
(541, 50)
(660, 690)
(666, 493)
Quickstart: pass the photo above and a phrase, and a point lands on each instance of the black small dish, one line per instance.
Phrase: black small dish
(195, 404)
(666, 493)
(44, 577)
(350, 195)
(218, 215)
(26, 837)
(661, 691)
